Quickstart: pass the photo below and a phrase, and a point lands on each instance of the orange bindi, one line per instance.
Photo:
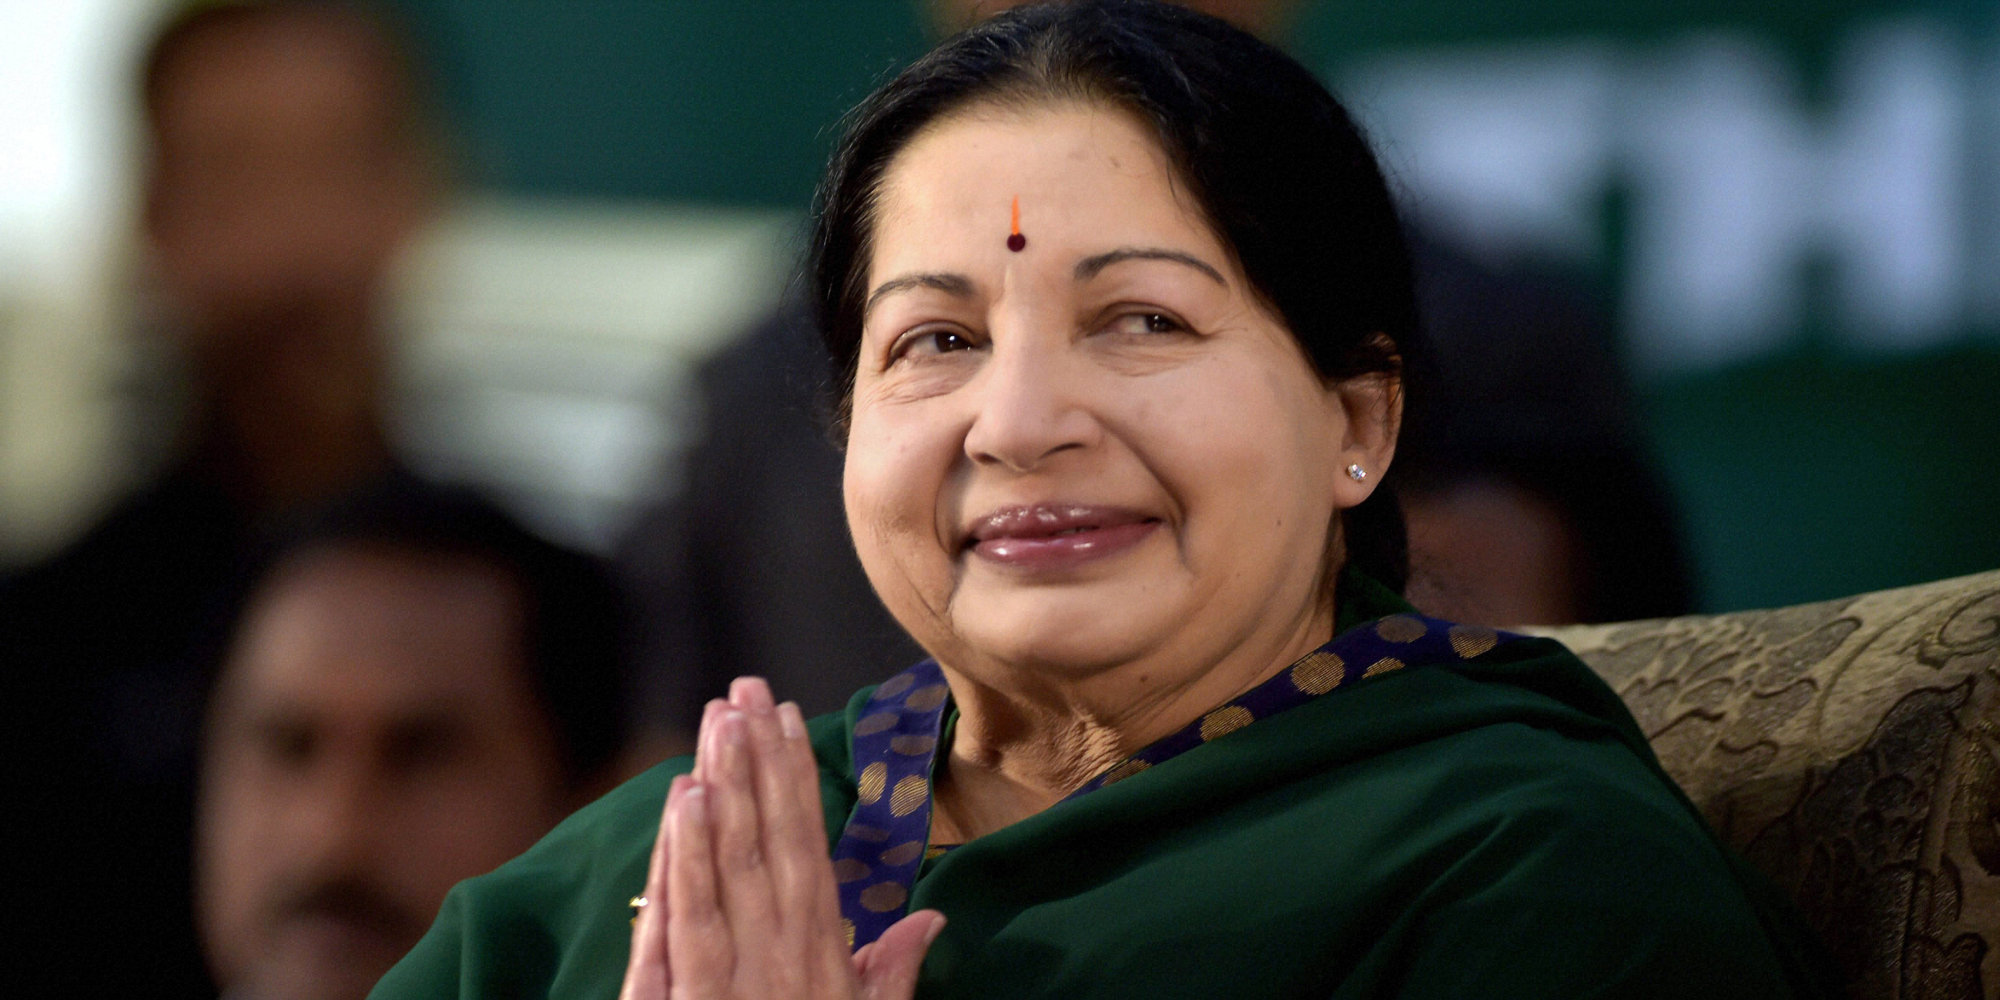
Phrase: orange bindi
(1015, 241)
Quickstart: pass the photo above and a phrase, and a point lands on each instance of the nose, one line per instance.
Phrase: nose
(336, 811)
(1032, 404)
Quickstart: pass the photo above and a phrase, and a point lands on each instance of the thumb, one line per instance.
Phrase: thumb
(888, 968)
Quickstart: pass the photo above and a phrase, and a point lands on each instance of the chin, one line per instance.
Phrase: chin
(1068, 642)
(327, 960)
(317, 982)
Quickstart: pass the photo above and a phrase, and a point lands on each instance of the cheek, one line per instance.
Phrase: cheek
(242, 797)
(891, 483)
(1246, 456)
(473, 820)
(1248, 418)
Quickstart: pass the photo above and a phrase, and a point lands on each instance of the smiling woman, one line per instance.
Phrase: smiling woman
(1103, 458)
(1123, 312)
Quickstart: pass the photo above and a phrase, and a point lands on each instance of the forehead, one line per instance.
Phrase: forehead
(309, 68)
(365, 631)
(1081, 170)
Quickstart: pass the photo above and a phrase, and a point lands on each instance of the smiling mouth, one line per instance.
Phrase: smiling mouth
(1055, 535)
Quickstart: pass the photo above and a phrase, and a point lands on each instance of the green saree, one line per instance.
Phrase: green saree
(1459, 827)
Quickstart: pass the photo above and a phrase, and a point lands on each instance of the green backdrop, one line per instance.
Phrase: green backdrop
(1819, 463)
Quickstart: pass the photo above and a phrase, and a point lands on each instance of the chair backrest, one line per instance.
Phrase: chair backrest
(1851, 750)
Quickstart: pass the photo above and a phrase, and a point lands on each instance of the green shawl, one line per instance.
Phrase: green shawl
(1495, 827)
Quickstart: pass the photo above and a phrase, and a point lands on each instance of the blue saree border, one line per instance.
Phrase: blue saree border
(896, 735)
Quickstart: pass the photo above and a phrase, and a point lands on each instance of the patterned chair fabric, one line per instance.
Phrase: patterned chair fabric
(1851, 750)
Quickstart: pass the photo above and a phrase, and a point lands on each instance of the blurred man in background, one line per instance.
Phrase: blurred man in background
(1531, 493)
(285, 163)
(417, 689)
(289, 163)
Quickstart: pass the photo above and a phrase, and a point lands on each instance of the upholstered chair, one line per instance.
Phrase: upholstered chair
(1851, 750)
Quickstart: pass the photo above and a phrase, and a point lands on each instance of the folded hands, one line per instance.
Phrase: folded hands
(740, 898)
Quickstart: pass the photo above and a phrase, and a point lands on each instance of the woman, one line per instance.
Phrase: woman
(1123, 308)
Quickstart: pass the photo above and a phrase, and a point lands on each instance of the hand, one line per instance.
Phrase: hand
(741, 890)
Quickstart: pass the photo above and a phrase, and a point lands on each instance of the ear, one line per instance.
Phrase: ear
(1369, 410)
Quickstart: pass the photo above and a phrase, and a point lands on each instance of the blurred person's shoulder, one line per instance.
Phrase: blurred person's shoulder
(557, 919)
(157, 535)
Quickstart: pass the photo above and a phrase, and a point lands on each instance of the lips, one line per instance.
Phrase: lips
(1051, 536)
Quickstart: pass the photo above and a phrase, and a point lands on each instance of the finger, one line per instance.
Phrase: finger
(655, 892)
(699, 949)
(744, 878)
(788, 805)
(646, 970)
(771, 782)
(888, 968)
(801, 867)
(751, 694)
(704, 737)
(796, 753)
(794, 862)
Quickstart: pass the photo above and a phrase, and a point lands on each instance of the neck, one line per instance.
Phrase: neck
(275, 454)
(1026, 741)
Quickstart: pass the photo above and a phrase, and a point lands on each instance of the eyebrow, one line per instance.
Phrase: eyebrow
(960, 286)
(954, 285)
(1089, 267)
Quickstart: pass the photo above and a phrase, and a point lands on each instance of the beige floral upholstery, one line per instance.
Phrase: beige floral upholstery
(1851, 750)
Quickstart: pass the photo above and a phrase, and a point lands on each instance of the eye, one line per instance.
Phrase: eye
(1146, 323)
(425, 743)
(936, 340)
(288, 743)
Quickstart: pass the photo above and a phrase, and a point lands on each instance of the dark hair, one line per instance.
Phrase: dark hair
(1280, 170)
(573, 616)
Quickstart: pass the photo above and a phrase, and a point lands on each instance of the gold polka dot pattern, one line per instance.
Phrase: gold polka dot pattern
(881, 846)
(883, 896)
(873, 778)
(1400, 628)
(909, 794)
(927, 698)
(1318, 673)
(903, 853)
(1225, 720)
(1469, 641)
(1383, 666)
(896, 685)
(880, 722)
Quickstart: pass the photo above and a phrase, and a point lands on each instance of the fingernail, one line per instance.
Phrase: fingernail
(751, 693)
(733, 727)
(790, 722)
(694, 805)
(937, 927)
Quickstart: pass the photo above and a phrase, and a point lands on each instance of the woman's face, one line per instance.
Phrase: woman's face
(1096, 449)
